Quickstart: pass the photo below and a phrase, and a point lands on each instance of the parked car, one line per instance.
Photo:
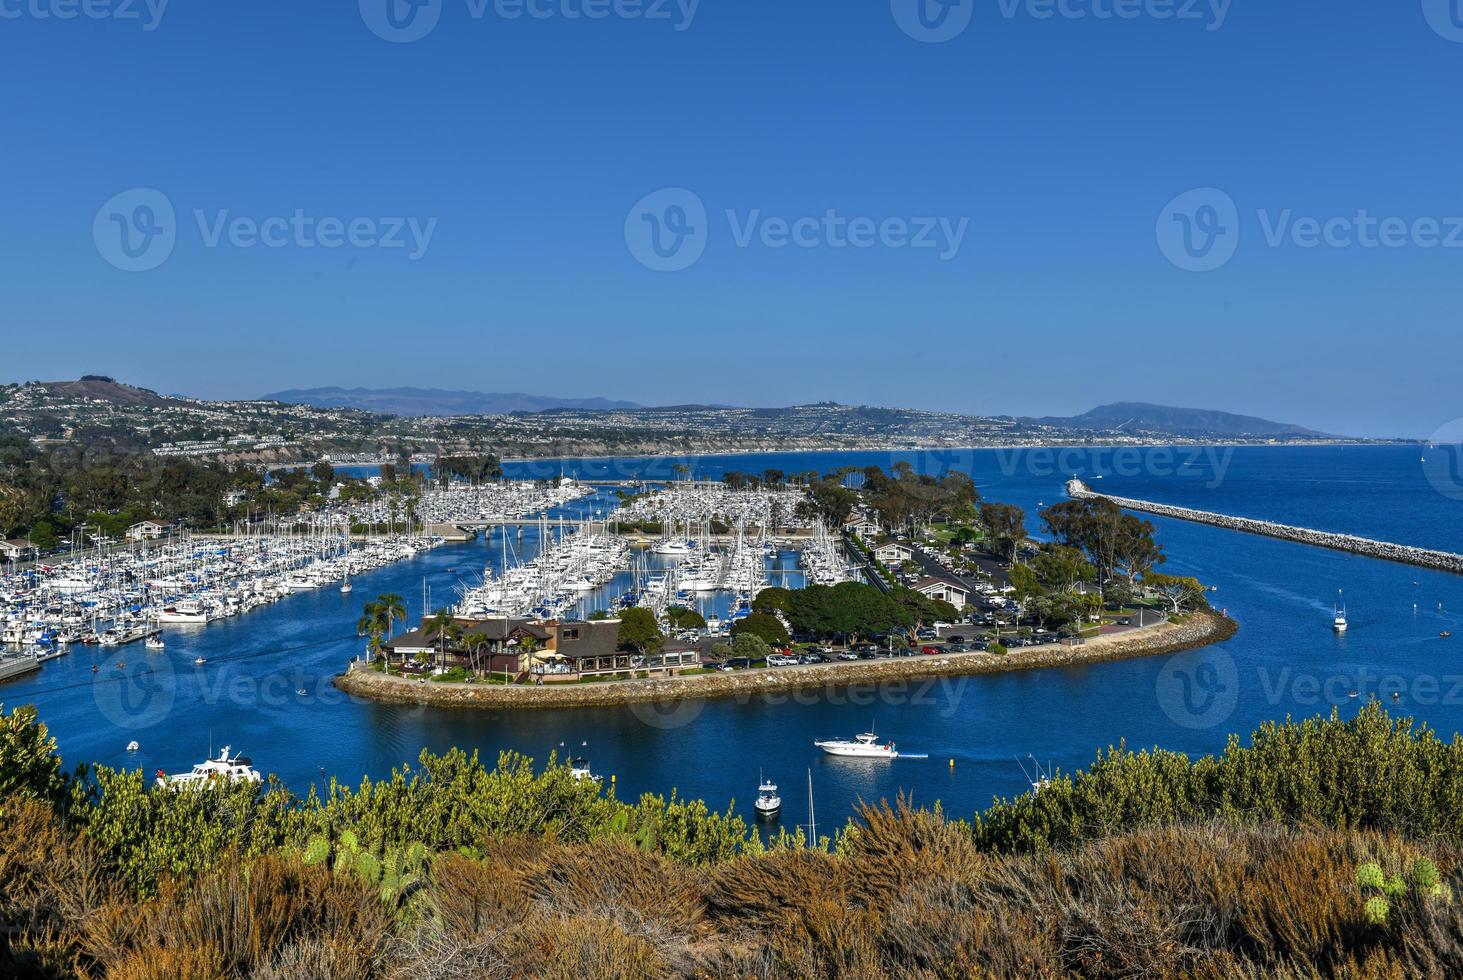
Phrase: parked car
(848, 655)
(954, 638)
(956, 648)
(931, 651)
(781, 660)
(736, 663)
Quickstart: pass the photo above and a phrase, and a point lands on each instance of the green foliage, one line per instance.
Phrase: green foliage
(1324, 770)
(639, 631)
(1376, 909)
(1370, 875)
(852, 608)
(683, 618)
(1006, 527)
(29, 766)
(772, 599)
(750, 645)
(765, 627)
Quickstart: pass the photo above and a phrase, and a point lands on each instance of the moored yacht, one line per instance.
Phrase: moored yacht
(579, 769)
(225, 768)
(864, 746)
(768, 802)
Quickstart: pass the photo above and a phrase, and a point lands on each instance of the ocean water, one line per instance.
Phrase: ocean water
(266, 686)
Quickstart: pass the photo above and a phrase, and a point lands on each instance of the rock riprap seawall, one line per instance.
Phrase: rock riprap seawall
(1197, 630)
(1443, 561)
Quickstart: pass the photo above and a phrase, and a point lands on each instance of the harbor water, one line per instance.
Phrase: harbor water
(265, 686)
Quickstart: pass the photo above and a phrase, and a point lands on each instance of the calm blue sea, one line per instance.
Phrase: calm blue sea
(266, 687)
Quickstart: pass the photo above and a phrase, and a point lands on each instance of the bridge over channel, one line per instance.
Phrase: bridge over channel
(1443, 561)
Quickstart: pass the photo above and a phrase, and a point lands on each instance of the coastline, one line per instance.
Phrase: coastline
(926, 446)
(1198, 629)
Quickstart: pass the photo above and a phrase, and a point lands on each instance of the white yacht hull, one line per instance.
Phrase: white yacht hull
(858, 751)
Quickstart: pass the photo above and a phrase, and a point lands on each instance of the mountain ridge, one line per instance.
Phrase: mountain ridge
(1148, 417)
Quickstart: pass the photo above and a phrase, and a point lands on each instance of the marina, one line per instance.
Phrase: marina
(265, 680)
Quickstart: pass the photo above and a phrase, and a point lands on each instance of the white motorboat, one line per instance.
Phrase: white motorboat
(154, 642)
(579, 769)
(1338, 617)
(184, 611)
(864, 746)
(224, 769)
(768, 802)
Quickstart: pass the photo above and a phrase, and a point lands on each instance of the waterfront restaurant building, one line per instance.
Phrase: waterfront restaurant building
(543, 650)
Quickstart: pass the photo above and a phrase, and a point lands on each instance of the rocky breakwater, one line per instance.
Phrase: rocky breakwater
(1444, 561)
(1196, 630)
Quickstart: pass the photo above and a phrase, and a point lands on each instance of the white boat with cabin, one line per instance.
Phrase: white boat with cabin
(226, 768)
(863, 746)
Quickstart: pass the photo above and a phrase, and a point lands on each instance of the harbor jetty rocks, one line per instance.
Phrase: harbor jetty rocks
(1195, 630)
(1443, 561)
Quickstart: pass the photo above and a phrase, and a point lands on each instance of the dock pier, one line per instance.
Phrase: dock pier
(1442, 561)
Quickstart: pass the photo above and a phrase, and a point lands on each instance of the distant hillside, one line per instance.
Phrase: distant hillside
(418, 402)
(102, 388)
(1138, 417)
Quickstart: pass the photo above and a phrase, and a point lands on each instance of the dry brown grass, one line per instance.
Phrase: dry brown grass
(907, 896)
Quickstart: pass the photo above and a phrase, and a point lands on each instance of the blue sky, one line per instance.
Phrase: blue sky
(525, 145)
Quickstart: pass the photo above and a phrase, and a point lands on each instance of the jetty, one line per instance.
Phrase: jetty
(1443, 561)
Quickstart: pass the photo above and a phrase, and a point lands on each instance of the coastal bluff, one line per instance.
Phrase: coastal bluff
(1195, 630)
(1443, 561)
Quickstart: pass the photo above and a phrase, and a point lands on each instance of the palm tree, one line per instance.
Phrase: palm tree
(527, 644)
(476, 643)
(373, 623)
(445, 630)
(395, 608)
